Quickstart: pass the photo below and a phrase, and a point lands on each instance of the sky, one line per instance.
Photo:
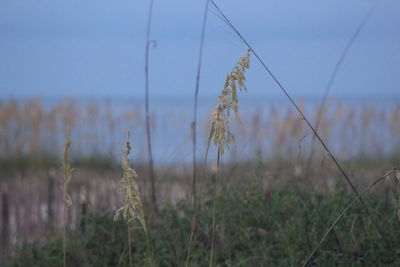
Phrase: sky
(95, 49)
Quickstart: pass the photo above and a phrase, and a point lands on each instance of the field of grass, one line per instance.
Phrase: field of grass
(275, 227)
(267, 214)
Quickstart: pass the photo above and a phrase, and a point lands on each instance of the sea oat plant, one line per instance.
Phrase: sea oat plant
(220, 132)
(221, 135)
(132, 209)
(317, 136)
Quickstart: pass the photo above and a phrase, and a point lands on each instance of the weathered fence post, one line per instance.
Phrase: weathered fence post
(84, 207)
(83, 216)
(50, 200)
(5, 224)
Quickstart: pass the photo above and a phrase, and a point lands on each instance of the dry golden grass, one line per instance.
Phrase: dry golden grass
(132, 209)
(30, 129)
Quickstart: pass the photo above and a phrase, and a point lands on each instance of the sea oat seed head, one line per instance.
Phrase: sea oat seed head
(220, 130)
(133, 208)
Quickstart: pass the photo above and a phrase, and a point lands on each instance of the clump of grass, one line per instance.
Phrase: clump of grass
(132, 210)
(67, 170)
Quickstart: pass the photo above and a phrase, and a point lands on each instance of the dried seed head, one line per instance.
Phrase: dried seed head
(132, 209)
(220, 130)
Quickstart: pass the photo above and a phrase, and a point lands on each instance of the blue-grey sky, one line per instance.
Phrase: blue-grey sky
(93, 48)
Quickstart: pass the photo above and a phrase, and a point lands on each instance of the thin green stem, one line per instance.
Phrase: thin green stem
(197, 200)
(214, 211)
(148, 249)
(129, 245)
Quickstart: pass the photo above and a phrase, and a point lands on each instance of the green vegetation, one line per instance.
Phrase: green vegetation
(254, 227)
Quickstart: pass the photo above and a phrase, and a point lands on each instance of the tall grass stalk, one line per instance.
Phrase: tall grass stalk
(196, 97)
(67, 170)
(214, 196)
(148, 132)
(282, 88)
(220, 133)
(197, 203)
(132, 209)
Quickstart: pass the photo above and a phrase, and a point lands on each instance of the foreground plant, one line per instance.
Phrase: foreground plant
(308, 123)
(67, 170)
(221, 135)
(220, 129)
(132, 210)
